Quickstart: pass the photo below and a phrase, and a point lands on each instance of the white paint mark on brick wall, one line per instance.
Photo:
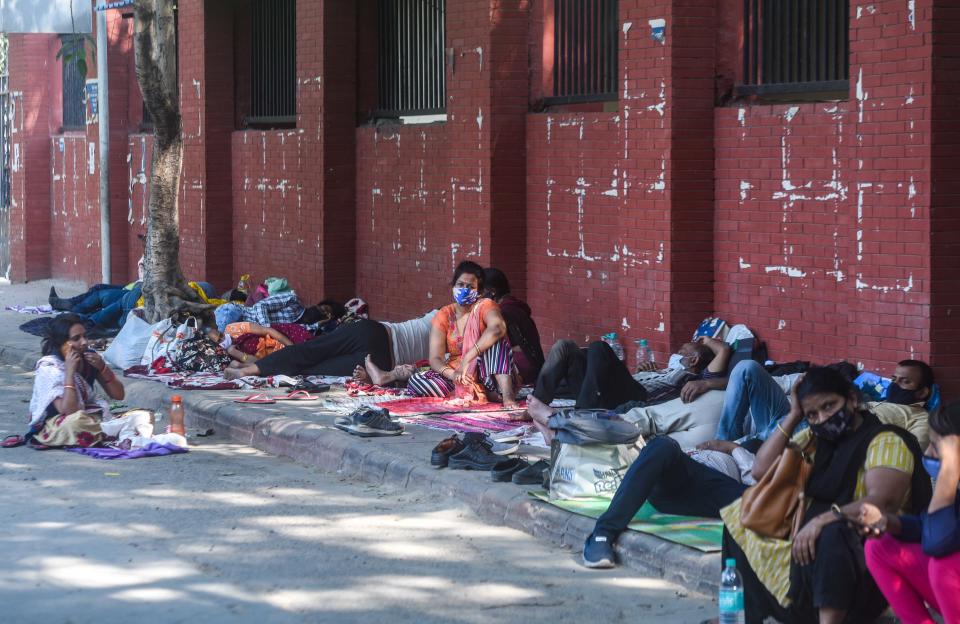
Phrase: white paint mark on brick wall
(743, 264)
(781, 324)
(791, 113)
(786, 270)
(912, 14)
(744, 187)
(862, 96)
(91, 158)
(626, 28)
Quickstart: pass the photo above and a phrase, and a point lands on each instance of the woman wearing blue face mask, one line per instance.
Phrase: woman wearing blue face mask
(819, 574)
(916, 559)
(470, 355)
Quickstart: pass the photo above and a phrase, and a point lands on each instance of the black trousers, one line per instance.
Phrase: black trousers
(838, 578)
(672, 482)
(336, 353)
(595, 377)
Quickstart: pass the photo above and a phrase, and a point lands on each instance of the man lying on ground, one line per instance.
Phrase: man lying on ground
(600, 380)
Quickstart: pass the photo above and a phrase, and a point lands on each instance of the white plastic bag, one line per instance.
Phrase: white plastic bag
(164, 338)
(128, 346)
(591, 471)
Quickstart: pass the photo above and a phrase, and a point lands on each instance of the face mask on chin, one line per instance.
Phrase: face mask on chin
(835, 427)
(675, 362)
(896, 394)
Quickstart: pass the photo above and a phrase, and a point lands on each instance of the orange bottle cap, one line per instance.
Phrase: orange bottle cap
(176, 398)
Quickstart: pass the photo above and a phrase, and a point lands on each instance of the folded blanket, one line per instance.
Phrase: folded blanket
(23, 309)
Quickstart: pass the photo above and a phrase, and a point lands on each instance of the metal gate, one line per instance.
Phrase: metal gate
(5, 125)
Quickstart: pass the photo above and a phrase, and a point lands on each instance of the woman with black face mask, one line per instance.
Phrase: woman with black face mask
(916, 559)
(820, 575)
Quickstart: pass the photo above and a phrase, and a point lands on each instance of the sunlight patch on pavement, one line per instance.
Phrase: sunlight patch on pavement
(149, 594)
(79, 573)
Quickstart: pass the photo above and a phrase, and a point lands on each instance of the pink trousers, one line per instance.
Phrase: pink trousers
(908, 577)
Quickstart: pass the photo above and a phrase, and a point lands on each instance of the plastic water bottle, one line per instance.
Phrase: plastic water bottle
(644, 353)
(176, 416)
(731, 595)
(611, 339)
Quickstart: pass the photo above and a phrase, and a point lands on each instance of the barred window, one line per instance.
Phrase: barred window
(273, 62)
(74, 83)
(411, 77)
(796, 47)
(584, 51)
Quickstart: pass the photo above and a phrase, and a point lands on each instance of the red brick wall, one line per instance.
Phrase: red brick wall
(822, 209)
(35, 100)
(423, 191)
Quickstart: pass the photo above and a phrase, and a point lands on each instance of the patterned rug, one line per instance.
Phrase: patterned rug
(703, 534)
(465, 422)
(419, 406)
(24, 309)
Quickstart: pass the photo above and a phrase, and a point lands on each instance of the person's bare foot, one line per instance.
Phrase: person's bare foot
(360, 374)
(378, 376)
(539, 411)
(243, 371)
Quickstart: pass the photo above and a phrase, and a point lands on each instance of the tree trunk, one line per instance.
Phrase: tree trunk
(165, 290)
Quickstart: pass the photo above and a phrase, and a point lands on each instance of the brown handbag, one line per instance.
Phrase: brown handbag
(774, 506)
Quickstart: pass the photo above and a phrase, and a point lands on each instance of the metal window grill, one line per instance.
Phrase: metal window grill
(411, 77)
(273, 65)
(74, 84)
(584, 51)
(795, 46)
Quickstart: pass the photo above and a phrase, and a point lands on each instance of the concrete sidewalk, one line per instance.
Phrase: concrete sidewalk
(306, 434)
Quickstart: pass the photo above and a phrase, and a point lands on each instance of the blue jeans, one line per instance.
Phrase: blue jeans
(97, 298)
(114, 315)
(672, 482)
(751, 393)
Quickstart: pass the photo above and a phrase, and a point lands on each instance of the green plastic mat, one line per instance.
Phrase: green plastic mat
(703, 534)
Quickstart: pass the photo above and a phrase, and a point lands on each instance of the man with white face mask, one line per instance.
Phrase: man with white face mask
(598, 379)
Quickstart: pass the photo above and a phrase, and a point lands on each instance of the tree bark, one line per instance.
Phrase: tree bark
(165, 290)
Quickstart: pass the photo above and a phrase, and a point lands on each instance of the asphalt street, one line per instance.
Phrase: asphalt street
(226, 533)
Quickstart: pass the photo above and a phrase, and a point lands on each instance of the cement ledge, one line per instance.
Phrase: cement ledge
(319, 444)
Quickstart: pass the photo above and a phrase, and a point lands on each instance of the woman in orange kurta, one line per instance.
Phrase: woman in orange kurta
(470, 355)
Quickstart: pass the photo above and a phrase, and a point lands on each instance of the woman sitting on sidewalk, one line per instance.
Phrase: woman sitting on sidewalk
(820, 574)
(472, 331)
(64, 410)
(916, 559)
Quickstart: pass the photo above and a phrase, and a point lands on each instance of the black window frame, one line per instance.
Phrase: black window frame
(585, 51)
(273, 64)
(411, 78)
(73, 89)
(796, 49)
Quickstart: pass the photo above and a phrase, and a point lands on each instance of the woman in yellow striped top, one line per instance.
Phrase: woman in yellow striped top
(820, 575)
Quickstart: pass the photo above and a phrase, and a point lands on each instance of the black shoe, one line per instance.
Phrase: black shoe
(368, 422)
(598, 552)
(476, 456)
(61, 305)
(504, 470)
(440, 456)
(532, 474)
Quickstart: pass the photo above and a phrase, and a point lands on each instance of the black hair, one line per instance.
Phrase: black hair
(946, 420)
(496, 281)
(58, 333)
(926, 373)
(468, 266)
(336, 307)
(705, 354)
(823, 380)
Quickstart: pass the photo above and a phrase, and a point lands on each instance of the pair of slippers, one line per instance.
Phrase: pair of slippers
(300, 396)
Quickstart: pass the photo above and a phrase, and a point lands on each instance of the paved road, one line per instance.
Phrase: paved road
(229, 534)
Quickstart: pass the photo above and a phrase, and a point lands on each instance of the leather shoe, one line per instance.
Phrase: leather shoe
(440, 456)
(503, 471)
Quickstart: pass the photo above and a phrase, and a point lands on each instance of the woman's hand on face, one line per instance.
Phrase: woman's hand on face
(73, 361)
(93, 359)
(805, 543)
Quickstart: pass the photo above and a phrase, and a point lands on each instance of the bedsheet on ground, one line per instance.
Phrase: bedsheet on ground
(25, 309)
(201, 381)
(703, 534)
(465, 422)
(341, 403)
(418, 406)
